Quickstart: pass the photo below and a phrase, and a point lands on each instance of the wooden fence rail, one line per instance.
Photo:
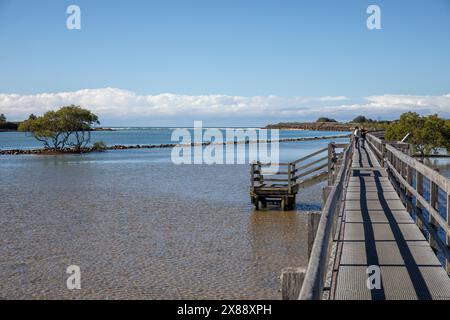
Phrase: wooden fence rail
(283, 185)
(404, 171)
(312, 288)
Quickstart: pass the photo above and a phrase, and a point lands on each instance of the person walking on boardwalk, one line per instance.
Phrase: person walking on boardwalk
(356, 136)
(363, 136)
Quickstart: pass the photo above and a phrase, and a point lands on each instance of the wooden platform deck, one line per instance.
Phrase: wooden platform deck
(377, 230)
(283, 185)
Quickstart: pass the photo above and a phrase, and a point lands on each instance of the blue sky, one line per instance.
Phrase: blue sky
(207, 52)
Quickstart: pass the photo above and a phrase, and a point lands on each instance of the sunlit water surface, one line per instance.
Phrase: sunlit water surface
(141, 227)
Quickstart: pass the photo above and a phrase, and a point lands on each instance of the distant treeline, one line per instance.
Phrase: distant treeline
(358, 119)
(427, 134)
(330, 124)
(5, 125)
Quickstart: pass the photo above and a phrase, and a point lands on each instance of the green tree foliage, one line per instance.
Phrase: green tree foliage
(99, 146)
(70, 126)
(361, 119)
(324, 119)
(427, 134)
(5, 125)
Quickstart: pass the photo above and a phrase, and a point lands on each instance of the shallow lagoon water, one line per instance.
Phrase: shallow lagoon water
(141, 227)
(441, 164)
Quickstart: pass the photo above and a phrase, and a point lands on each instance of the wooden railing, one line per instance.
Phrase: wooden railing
(377, 146)
(260, 177)
(297, 172)
(288, 173)
(334, 161)
(401, 168)
(408, 176)
(313, 284)
(282, 185)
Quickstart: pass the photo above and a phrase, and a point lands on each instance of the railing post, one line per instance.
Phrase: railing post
(289, 178)
(418, 209)
(409, 178)
(432, 222)
(252, 175)
(387, 159)
(293, 182)
(313, 224)
(292, 282)
(330, 162)
(388, 156)
(260, 176)
(383, 153)
(402, 167)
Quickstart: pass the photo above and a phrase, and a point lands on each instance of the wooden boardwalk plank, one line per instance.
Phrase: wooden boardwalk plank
(379, 231)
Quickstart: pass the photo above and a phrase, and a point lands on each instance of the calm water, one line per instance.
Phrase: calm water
(141, 227)
(442, 164)
(132, 136)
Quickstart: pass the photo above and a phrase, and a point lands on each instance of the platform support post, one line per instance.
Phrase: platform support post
(292, 282)
(313, 224)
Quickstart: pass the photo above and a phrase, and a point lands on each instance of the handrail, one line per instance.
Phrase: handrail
(306, 166)
(401, 166)
(294, 172)
(377, 146)
(375, 138)
(430, 173)
(310, 155)
(303, 174)
(313, 284)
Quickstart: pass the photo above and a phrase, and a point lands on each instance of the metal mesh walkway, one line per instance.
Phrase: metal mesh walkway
(378, 231)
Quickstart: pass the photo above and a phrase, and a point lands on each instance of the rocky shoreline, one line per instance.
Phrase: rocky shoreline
(151, 146)
(13, 128)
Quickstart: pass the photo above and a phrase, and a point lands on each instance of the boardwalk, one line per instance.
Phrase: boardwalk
(377, 230)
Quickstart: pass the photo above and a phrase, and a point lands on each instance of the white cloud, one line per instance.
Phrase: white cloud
(389, 106)
(114, 103)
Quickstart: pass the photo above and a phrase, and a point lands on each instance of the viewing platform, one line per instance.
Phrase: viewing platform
(281, 187)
